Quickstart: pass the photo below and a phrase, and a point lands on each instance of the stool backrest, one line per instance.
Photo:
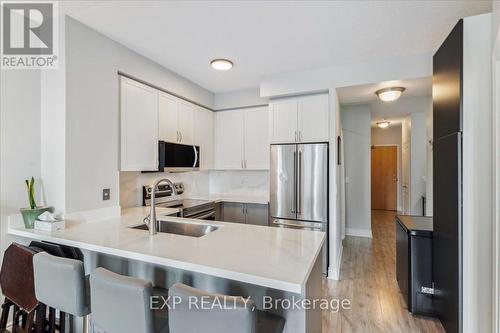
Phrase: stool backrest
(121, 304)
(60, 283)
(16, 276)
(193, 310)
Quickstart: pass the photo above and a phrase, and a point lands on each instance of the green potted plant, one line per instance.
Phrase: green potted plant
(33, 211)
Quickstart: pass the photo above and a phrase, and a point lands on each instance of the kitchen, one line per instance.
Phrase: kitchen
(252, 172)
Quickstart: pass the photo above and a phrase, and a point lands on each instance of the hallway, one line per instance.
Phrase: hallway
(368, 281)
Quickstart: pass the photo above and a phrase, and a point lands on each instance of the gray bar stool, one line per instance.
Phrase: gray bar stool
(122, 304)
(60, 283)
(239, 317)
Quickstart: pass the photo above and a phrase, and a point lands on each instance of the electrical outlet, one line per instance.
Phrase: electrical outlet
(106, 194)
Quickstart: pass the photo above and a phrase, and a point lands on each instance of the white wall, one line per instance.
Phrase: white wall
(92, 111)
(418, 157)
(477, 175)
(239, 98)
(356, 131)
(388, 137)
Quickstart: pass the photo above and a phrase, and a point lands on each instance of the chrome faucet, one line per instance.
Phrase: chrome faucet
(150, 220)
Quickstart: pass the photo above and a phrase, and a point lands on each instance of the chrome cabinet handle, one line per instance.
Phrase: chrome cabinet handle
(180, 134)
(177, 134)
(195, 156)
(300, 136)
(295, 133)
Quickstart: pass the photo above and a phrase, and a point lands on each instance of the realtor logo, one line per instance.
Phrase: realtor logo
(29, 31)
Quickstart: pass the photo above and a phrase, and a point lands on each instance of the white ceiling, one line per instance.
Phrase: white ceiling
(270, 37)
(416, 98)
(366, 93)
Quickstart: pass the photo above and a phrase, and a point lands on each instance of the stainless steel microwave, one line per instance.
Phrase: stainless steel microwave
(176, 157)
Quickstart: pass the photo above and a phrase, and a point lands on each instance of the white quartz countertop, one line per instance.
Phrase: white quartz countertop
(270, 257)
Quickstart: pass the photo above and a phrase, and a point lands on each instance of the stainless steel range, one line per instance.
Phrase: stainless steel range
(189, 208)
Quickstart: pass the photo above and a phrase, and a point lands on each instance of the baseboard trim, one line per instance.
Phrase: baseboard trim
(334, 272)
(358, 232)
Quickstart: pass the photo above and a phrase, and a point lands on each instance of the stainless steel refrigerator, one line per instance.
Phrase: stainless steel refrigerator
(299, 188)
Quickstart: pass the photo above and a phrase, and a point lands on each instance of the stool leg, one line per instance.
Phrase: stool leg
(52, 320)
(15, 319)
(41, 313)
(29, 322)
(86, 324)
(62, 322)
(5, 313)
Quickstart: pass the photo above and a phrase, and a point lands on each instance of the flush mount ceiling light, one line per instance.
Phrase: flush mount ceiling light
(390, 94)
(221, 64)
(383, 124)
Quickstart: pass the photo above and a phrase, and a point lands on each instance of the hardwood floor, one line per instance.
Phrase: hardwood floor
(368, 280)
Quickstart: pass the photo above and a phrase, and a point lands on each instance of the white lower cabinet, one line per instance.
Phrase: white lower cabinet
(242, 139)
(138, 126)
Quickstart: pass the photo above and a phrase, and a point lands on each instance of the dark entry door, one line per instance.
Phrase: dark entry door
(447, 180)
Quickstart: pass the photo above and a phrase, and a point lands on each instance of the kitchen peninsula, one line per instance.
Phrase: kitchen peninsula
(237, 259)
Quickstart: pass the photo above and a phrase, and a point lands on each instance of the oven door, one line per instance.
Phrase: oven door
(206, 215)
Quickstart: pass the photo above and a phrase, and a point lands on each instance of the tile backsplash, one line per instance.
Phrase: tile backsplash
(247, 183)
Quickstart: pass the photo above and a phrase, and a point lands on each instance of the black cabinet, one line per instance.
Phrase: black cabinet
(414, 262)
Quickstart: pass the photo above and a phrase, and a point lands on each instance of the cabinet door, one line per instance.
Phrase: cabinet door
(229, 135)
(313, 118)
(234, 212)
(167, 117)
(257, 138)
(185, 122)
(204, 136)
(257, 214)
(283, 120)
(139, 126)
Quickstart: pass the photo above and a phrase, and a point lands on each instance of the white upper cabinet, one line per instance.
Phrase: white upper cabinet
(139, 126)
(229, 136)
(242, 139)
(283, 120)
(299, 119)
(313, 118)
(256, 138)
(175, 119)
(167, 114)
(204, 136)
(185, 120)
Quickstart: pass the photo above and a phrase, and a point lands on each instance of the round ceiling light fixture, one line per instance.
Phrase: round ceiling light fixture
(221, 64)
(383, 124)
(390, 94)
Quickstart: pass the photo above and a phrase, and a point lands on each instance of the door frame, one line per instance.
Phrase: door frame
(398, 167)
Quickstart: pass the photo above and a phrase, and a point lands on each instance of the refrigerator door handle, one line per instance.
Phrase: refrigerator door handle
(299, 225)
(299, 184)
(294, 196)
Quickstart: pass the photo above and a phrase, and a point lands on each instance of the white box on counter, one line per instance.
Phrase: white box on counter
(50, 225)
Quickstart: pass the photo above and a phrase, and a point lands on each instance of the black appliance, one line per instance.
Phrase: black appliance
(447, 185)
(176, 157)
(413, 267)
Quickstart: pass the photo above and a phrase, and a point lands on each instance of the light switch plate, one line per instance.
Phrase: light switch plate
(106, 194)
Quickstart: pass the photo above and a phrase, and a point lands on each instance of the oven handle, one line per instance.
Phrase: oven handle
(202, 216)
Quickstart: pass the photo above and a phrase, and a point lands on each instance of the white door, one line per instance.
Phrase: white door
(185, 122)
(204, 136)
(283, 120)
(167, 117)
(257, 138)
(139, 126)
(229, 134)
(313, 118)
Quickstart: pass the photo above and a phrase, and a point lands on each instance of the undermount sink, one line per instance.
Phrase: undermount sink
(179, 228)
